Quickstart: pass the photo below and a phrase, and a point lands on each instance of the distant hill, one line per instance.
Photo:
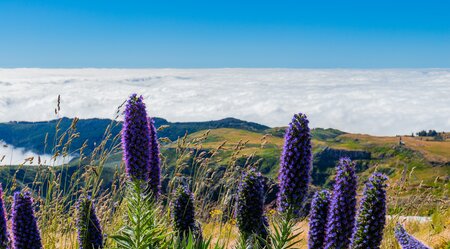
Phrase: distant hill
(40, 136)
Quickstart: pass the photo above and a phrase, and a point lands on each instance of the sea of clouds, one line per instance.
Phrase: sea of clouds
(10, 155)
(379, 102)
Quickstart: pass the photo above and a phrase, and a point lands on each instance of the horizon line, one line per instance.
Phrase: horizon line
(212, 120)
(207, 68)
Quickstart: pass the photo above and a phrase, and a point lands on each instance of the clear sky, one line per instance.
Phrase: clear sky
(195, 34)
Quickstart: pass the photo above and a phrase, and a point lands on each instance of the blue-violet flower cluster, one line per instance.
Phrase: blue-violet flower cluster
(154, 179)
(4, 236)
(318, 219)
(136, 139)
(406, 240)
(250, 206)
(341, 216)
(24, 226)
(371, 217)
(295, 166)
(90, 235)
(183, 213)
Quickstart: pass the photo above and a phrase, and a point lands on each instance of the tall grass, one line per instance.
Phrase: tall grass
(131, 220)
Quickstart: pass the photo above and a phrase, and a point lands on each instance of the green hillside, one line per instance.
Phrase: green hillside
(370, 152)
(41, 137)
(417, 165)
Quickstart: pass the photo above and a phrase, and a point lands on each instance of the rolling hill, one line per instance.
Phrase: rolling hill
(40, 136)
(416, 164)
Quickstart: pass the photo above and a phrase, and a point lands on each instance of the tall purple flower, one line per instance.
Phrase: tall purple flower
(136, 139)
(318, 219)
(155, 170)
(25, 230)
(341, 216)
(90, 234)
(183, 214)
(371, 217)
(4, 236)
(406, 240)
(295, 167)
(250, 216)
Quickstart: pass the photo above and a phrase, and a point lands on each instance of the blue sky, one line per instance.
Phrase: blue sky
(196, 34)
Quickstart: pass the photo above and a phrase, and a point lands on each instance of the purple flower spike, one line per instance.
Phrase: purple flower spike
(136, 139)
(371, 218)
(154, 178)
(183, 214)
(318, 219)
(406, 240)
(90, 234)
(341, 216)
(25, 230)
(295, 166)
(4, 236)
(250, 206)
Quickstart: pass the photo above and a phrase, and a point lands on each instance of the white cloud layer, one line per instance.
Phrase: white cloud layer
(10, 155)
(381, 102)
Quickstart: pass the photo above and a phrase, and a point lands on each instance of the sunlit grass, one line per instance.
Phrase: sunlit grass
(413, 190)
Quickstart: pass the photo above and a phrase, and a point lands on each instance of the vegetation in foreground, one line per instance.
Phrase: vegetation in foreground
(134, 212)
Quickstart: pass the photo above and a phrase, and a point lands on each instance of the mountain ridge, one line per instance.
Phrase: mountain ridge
(38, 136)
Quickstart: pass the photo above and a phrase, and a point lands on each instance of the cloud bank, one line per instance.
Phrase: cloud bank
(380, 102)
(10, 155)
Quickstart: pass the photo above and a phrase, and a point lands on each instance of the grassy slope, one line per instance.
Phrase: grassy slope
(430, 159)
(427, 162)
(434, 151)
(424, 160)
